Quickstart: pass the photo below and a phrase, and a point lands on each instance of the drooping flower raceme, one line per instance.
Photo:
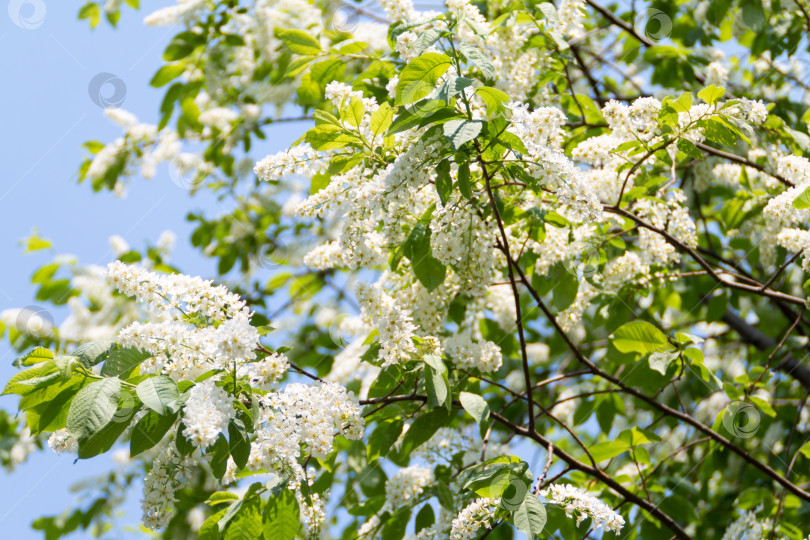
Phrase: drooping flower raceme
(406, 485)
(576, 500)
(207, 413)
(477, 514)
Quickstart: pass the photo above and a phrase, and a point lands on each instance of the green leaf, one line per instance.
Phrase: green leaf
(424, 518)
(418, 78)
(122, 361)
(383, 437)
(239, 443)
(437, 383)
(329, 137)
(428, 270)
(660, 361)
(281, 517)
(46, 408)
(805, 450)
(464, 183)
(103, 440)
(444, 183)
(802, 202)
(149, 431)
(210, 528)
(459, 132)
(299, 42)
(92, 12)
(397, 524)
(381, 120)
(565, 288)
(639, 336)
(158, 393)
(495, 100)
(476, 406)
(604, 451)
(34, 356)
(27, 381)
(220, 497)
(93, 408)
(423, 429)
(352, 114)
(219, 453)
(94, 352)
(425, 39)
(247, 523)
(478, 59)
(530, 517)
(167, 74)
(711, 94)
(182, 444)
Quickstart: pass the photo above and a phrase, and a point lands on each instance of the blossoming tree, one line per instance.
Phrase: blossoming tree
(532, 268)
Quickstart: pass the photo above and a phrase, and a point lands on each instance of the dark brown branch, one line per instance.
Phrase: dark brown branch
(751, 334)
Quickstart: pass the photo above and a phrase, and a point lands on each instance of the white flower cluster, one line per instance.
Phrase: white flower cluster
(407, 485)
(184, 351)
(265, 373)
(475, 515)
(469, 353)
(168, 470)
(63, 442)
(745, 527)
(24, 446)
(391, 321)
(299, 160)
(207, 412)
(573, 499)
(181, 349)
(177, 293)
(303, 414)
(142, 143)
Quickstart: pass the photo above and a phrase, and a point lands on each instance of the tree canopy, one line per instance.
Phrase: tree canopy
(532, 268)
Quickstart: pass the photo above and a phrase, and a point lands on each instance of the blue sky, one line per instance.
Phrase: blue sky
(47, 113)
